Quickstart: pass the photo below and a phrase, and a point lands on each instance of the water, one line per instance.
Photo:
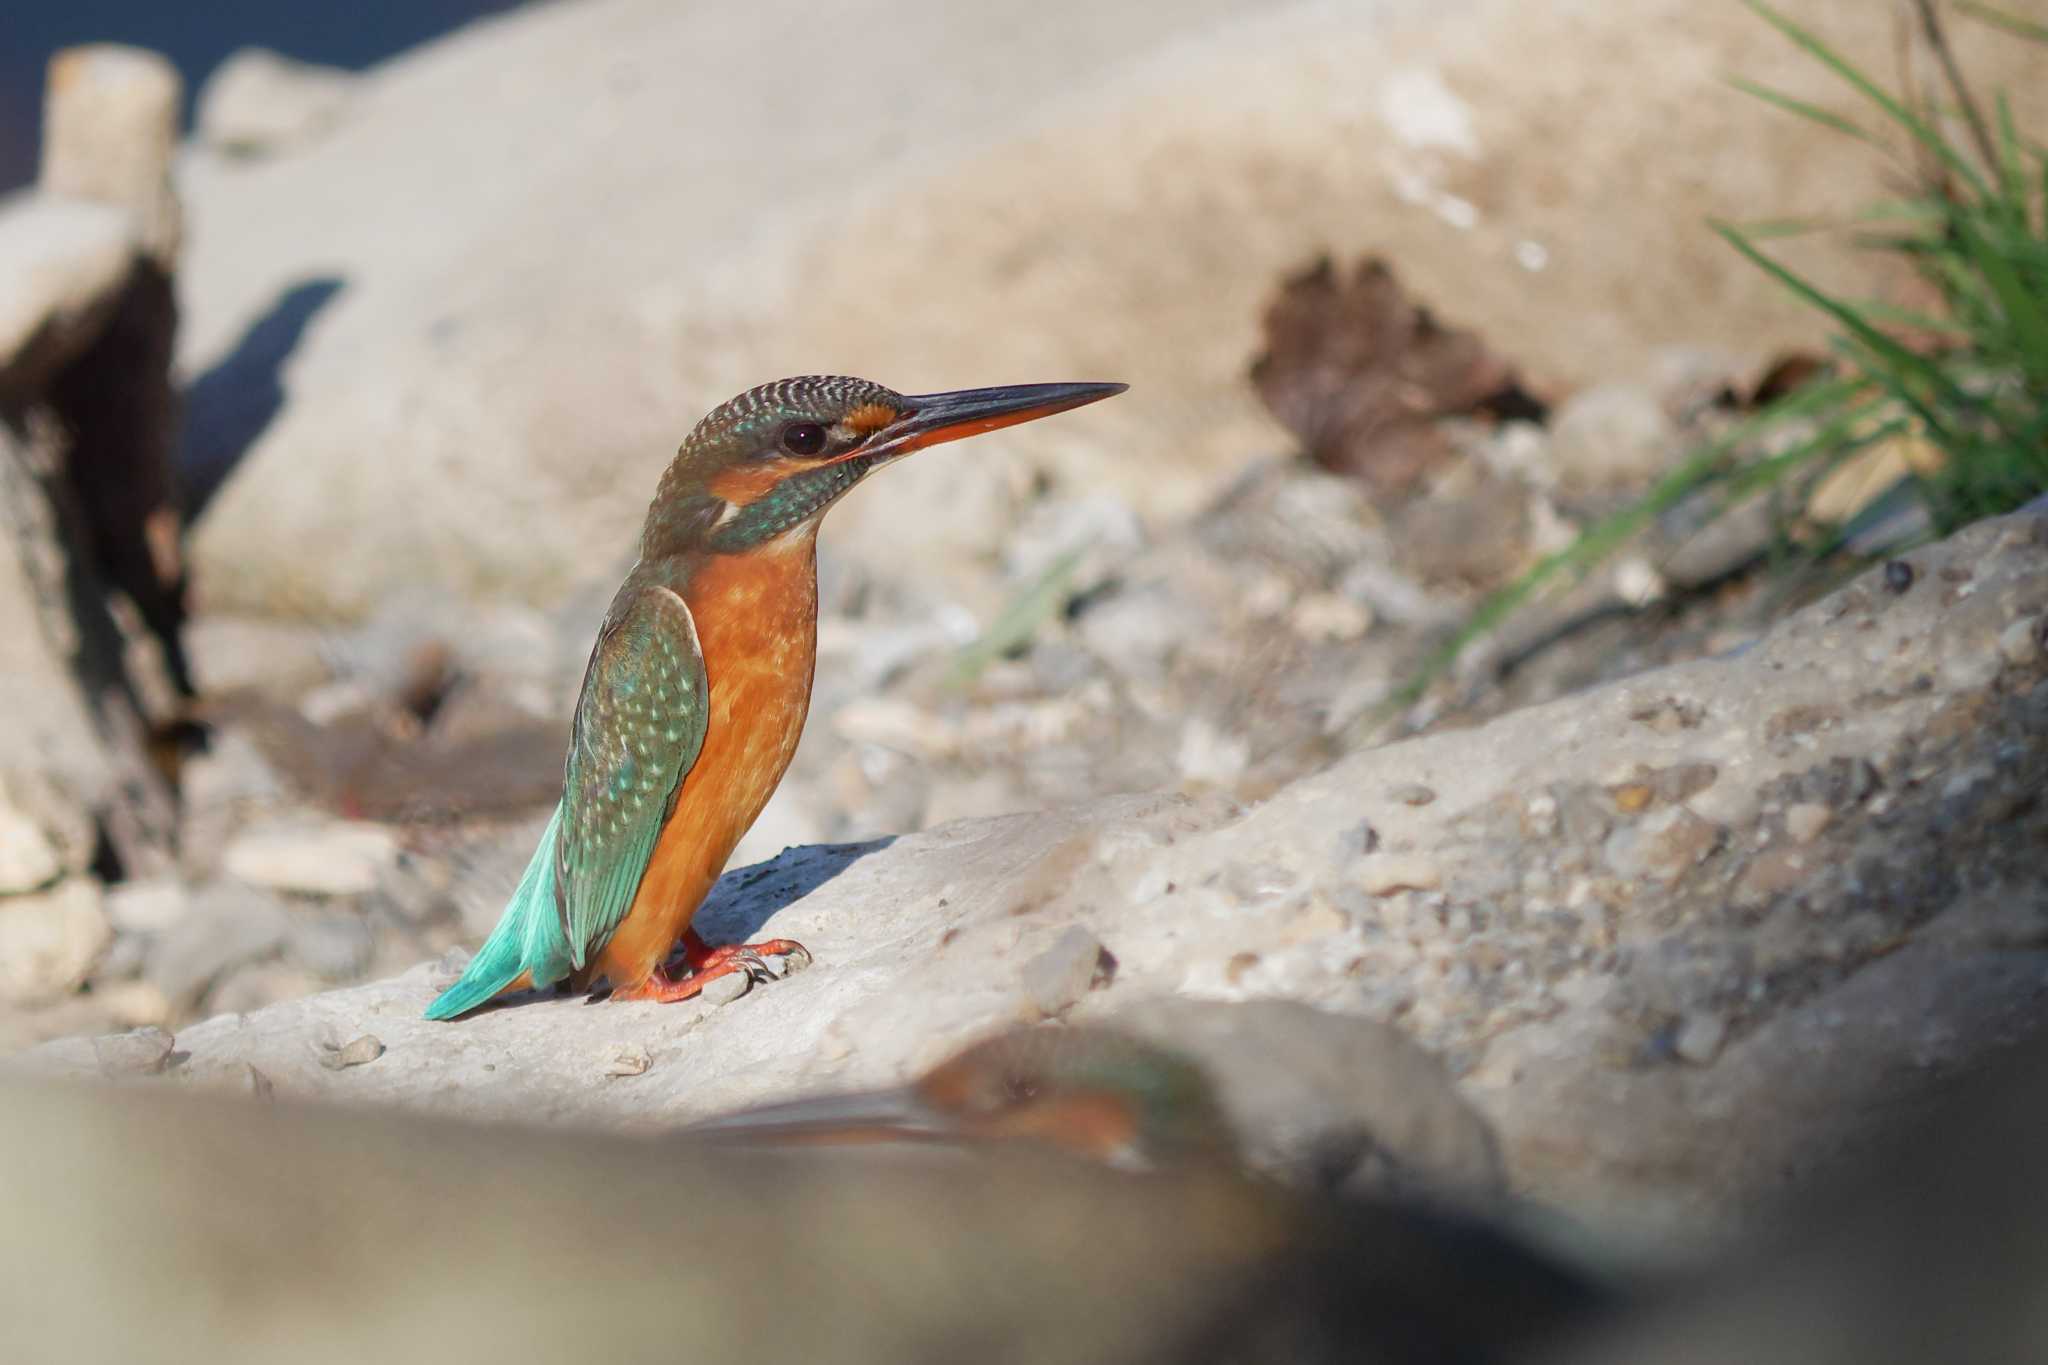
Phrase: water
(197, 37)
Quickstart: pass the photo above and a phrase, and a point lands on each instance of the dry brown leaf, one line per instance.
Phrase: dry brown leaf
(1360, 373)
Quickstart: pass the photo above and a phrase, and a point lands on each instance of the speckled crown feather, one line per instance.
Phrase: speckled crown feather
(760, 411)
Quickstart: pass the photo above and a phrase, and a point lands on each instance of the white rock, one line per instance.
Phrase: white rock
(336, 858)
(147, 907)
(1611, 435)
(50, 941)
(27, 858)
(259, 102)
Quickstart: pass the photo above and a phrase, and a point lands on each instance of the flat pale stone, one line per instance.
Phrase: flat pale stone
(337, 858)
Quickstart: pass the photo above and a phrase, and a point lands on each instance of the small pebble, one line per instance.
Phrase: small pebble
(1382, 874)
(1632, 798)
(1805, 820)
(2021, 642)
(1075, 964)
(1699, 1038)
(628, 1061)
(141, 1052)
(1329, 616)
(1898, 575)
(364, 1049)
(1412, 794)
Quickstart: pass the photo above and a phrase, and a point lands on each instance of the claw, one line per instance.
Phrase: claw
(701, 963)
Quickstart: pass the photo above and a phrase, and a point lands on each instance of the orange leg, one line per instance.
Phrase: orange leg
(703, 963)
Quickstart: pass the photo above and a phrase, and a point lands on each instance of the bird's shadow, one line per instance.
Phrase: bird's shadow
(228, 407)
(745, 898)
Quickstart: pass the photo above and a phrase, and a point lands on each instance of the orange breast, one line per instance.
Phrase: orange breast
(757, 623)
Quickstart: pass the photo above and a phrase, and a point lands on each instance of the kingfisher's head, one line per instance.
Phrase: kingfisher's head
(775, 458)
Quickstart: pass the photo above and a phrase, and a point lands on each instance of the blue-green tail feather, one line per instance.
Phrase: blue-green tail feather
(528, 939)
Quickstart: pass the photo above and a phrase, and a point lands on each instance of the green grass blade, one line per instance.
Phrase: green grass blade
(1922, 131)
(2022, 309)
(2012, 176)
(1041, 600)
(1880, 311)
(1900, 211)
(1786, 227)
(1791, 104)
(1894, 356)
(1833, 443)
(2011, 23)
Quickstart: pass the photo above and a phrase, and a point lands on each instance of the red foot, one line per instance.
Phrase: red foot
(704, 964)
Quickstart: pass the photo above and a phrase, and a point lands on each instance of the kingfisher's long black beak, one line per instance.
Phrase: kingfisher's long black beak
(898, 1115)
(933, 418)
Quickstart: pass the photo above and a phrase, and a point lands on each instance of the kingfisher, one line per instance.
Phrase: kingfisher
(1091, 1091)
(699, 683)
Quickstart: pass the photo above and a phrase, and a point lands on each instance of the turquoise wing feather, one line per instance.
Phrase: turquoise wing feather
(639, 726)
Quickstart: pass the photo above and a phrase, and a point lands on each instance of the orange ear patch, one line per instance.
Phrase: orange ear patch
(870, 417)
(746, 483)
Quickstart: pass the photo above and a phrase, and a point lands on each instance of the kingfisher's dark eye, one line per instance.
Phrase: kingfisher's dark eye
(803, 438)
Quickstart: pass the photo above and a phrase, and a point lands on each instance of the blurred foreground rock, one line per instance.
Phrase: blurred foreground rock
(1678, 937)
(1936, 1248)
(182, 1229)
